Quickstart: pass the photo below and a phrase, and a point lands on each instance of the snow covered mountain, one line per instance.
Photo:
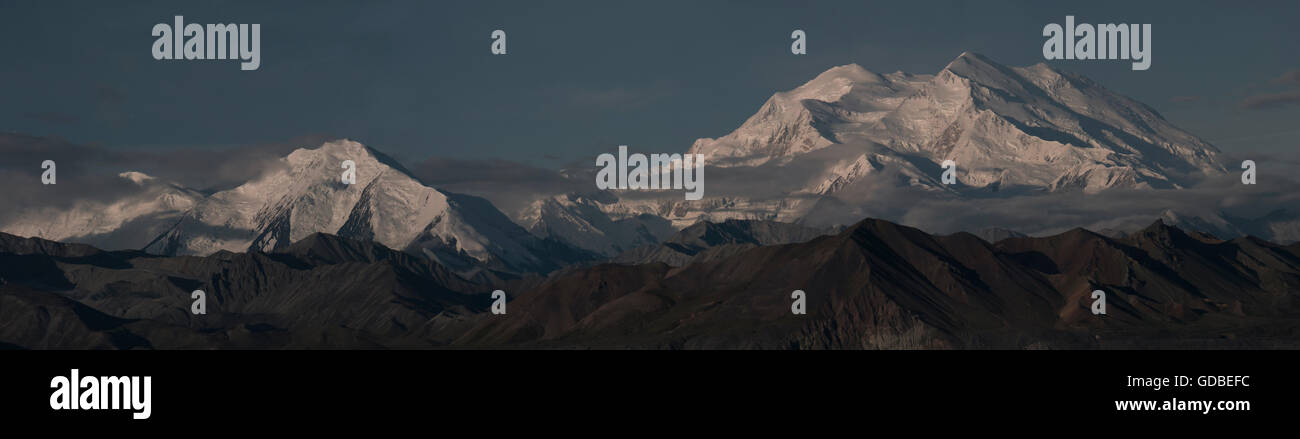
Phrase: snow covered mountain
(387, 205)
(1034, 127)
(580, 221)
(1280, 225)
(812, 116)
(302, 195)
(819, 153)
(848, 144)
(127, 222)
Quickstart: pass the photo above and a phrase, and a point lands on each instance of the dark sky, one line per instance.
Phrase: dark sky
(416, 79)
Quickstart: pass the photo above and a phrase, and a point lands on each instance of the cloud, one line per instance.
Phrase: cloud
(52, 117)
(1271, 100)
(109, 94)
(1115, 209)
(510, 186)
(1276, 100)
(885, 193)
(79, 177)
(513, 186)
(1047, 213)
(90, 173)
(1288, 78)
(26, 152)
(211, 170)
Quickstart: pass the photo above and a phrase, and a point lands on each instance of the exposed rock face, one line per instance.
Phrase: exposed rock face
(873, 285)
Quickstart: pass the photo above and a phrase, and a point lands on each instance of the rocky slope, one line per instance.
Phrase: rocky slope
(873, 285)
(707, 241)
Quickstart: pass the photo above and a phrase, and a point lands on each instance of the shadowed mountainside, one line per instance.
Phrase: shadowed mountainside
(706, 240)
(873, 285)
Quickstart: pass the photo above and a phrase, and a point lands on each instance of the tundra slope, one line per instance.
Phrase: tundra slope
(873, 285)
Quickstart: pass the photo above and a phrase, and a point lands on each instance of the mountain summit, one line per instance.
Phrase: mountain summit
(851, 143)
(1032, 126)
(304, 195)
(812, 116)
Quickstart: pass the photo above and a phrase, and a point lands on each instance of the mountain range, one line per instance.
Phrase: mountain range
(874, 284)
(1005, 127)
(303, 194)
(852, 143)
(296, 257)
(849, 143)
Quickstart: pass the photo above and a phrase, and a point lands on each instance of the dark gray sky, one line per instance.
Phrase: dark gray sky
(416, 79)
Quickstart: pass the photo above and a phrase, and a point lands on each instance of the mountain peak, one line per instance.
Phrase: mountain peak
(334, 152)
(386, 206)
(1159, 233)
(833, 84)
(968, 58)
(1159, 226)
(851, 71)
(346, 145)
(969, 55)
(978, 68)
